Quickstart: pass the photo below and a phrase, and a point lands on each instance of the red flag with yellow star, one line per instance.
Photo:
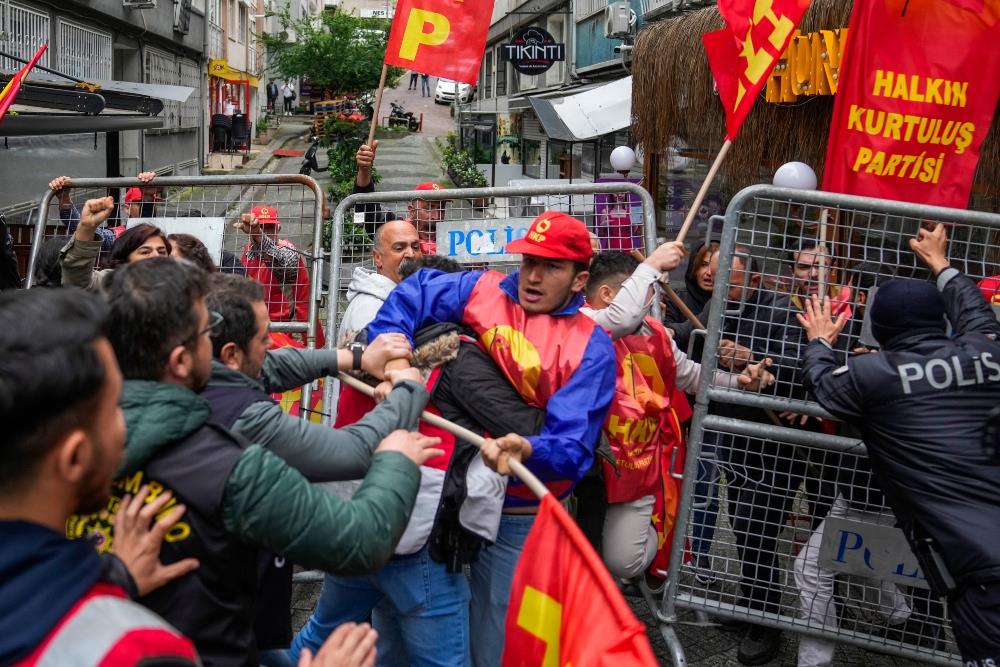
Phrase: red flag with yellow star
(565, 610)
(10, 91)
(743, 55)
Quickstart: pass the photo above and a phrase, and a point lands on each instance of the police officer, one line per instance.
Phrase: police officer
(922, 405)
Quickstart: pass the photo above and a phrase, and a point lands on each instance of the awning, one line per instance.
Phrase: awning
(224, 70)
(587, 115)
(24, 124)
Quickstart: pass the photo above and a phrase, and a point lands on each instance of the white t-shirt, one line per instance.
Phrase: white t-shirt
(230, 109)
(287, 91)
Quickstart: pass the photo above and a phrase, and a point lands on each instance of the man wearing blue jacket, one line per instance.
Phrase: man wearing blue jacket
(557, 358)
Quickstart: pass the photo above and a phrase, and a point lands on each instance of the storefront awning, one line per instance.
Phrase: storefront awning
(586, 115)
(224, 70)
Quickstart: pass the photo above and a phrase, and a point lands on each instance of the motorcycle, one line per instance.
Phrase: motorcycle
(310, 162)
(400, 117)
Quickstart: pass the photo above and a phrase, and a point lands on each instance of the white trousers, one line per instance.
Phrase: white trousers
(629, 537)
(816, 588)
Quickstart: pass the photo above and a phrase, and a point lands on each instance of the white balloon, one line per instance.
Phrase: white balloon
(622, 158)
(796, 175)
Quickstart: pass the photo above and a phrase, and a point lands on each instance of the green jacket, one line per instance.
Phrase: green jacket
(267, 502)
(321, 453)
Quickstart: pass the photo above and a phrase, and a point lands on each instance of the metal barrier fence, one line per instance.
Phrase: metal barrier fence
(472, 227)
(856, 581)
(288, 262)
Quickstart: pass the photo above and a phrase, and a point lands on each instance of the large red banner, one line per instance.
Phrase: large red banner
(919, 83)
(743, 55)
(564, 607)
(442, 38)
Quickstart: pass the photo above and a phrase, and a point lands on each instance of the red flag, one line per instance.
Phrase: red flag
(664, 516)
(14, 85)
(564, 607)
(442, 38)
(743, 55)
(919, 84)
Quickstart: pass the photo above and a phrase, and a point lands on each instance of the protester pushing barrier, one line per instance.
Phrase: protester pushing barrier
(786, 483)
(268, 227)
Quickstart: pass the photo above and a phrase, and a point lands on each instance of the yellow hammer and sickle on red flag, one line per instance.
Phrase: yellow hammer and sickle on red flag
(759, 60)
(541, 615)
(646, 366)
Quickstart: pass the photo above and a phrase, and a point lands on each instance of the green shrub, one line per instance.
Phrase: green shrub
(461, 166)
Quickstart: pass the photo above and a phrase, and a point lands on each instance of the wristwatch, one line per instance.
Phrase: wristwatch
(357, 349)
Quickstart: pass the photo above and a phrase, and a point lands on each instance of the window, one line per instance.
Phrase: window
(532, 157)
(488, 69)
(585, 8)
(84, 53)
(190, 75)
(26, 30)
(501, 76)
(241, 30)
(161, 68)
(556, 27)
(232, 19)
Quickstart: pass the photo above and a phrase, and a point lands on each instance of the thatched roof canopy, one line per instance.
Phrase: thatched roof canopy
(673, 96)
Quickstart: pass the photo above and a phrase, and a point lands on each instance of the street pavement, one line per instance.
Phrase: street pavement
(408, 160)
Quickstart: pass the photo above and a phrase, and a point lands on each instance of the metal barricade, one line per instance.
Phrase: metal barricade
(781, 483)
(208, 208)
(473, 225)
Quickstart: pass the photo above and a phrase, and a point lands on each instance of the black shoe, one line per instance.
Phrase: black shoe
(728, 624)
(759, 646)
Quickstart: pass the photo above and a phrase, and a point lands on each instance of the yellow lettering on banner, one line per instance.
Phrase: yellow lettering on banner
(619, 428)
(131, 484)
(650, 391)
(541, 616)
(414, 36)
(916, 88)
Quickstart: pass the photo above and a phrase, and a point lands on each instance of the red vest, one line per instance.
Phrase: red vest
(640, 425)
(537, 353)
(284, 304)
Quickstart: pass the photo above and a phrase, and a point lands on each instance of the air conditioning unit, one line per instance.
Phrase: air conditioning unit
(618, 20)
(139, 4)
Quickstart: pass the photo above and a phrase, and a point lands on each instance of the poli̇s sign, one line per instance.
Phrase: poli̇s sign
(854, 545)
(533, 51)
(480, 241)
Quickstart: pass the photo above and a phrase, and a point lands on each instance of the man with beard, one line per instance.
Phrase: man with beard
(240, 497)
(63, 439)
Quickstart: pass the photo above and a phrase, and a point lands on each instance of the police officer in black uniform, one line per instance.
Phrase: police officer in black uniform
(923, 406)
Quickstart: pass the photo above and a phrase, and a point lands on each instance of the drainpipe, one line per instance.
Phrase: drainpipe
(203, 79)
(571, 43)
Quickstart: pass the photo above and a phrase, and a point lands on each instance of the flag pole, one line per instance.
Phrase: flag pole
(696, 204)
(377, 105)
(516, 467)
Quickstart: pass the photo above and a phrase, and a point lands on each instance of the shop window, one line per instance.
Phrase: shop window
(488, 75)
(501, 76)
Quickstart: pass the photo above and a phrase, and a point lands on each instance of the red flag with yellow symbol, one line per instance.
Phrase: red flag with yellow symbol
(291, 400)
(743, 55)
(10, 91)
(444, 38)
(565, 610)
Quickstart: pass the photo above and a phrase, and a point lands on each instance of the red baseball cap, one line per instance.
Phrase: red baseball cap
(265, 214)
(133, 195)
(428, 185)
(555, 235)
(990, 287)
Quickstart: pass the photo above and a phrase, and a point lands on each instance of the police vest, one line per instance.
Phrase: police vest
(638, 423)
(273, 626)
(537, 353)
(214, 605)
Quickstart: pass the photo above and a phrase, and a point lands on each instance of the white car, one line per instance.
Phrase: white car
(444, 93)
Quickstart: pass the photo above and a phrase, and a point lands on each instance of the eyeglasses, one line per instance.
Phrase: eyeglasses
(214, 320)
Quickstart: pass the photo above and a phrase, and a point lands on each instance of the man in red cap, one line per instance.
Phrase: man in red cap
(277, 265)
(558, 359)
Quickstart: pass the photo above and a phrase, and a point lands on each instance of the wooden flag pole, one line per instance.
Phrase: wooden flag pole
(672, 295)
(378, 103)
(696, 204)
(516, 467)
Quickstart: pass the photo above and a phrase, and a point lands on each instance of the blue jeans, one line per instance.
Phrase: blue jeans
(275, 658)
(492, 575)
(706, 494)
(429, 606)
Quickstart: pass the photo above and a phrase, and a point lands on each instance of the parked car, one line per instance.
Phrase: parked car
(445, 91)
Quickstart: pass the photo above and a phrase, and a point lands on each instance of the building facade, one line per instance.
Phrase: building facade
(163, 42)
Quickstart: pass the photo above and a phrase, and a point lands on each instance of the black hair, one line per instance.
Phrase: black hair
(408, 266)
(48, 268)
(50, 372)
(152, 312)
(609, 264)
(580, 267)
(131, 240)
(193, 250)
(233, 296)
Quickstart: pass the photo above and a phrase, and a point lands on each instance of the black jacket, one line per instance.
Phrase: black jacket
(921, 405)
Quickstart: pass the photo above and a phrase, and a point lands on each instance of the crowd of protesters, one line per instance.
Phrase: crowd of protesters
(154, 496)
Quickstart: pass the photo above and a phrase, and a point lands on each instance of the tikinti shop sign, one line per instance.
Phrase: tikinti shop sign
(533, 51)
